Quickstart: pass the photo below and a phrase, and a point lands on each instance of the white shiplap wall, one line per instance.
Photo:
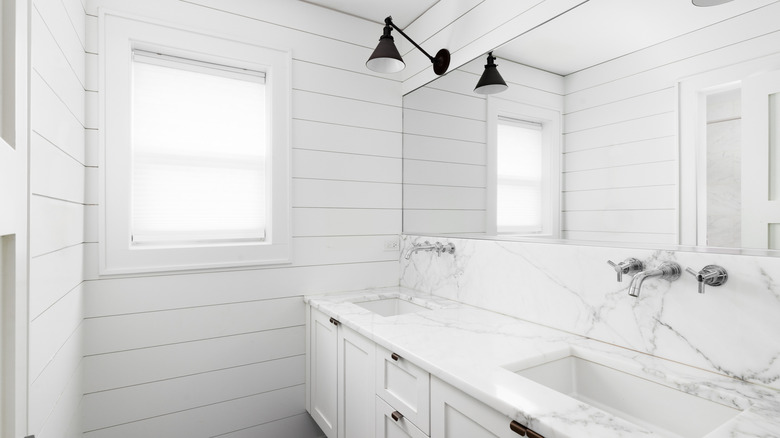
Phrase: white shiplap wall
(445, 135)
(58, 164)
(222, 353)
(620, 178)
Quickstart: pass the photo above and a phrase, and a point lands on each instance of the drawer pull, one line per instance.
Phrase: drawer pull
(334, 321)
(397, 415)
(395, 357)
(522, 430)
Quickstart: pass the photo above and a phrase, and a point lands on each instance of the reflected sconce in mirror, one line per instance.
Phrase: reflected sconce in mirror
(386, 58)
(491, 81)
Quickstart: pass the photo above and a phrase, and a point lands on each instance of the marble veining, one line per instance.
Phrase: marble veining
(731, 330)
(490, 345)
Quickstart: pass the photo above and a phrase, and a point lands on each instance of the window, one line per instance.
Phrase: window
(523, 187)
(519, 176)
(195, 143)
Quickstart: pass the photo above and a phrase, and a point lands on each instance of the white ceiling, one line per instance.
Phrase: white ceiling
(595, 32)
(404, 12)
(600, 30)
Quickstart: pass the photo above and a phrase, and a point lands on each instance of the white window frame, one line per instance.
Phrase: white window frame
(550, 120)
(119, 36)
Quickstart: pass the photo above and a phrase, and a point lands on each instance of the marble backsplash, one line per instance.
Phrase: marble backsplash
(733, 329)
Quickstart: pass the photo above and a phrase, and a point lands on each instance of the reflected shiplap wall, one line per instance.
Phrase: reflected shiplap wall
(620, 129)
(222, 353)
(58, 202)
(445, 135)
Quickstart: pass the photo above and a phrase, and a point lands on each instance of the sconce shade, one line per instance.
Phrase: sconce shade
(386, 58)
(491, 81)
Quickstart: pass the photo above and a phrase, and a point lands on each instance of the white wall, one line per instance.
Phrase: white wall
(620, 124)
(445, 136)
(58, 164)
(222, 353)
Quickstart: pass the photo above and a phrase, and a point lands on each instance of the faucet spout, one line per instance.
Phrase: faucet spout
(667, 271)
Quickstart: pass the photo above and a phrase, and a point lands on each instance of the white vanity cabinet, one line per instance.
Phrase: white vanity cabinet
(404, 386)
(341, 382)
(457, 415)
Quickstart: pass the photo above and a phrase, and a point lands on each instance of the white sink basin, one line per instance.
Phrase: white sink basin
(391, 306)
(664, 410)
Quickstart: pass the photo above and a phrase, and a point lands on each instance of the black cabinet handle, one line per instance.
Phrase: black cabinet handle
(334, 321)
(397, 415)
(522, 430)
(395, 357)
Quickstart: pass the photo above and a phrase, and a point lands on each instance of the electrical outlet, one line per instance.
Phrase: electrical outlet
(392, 245)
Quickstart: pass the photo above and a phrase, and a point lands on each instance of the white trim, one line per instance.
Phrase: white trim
(692, 139)
(550, 122)
(120, 35)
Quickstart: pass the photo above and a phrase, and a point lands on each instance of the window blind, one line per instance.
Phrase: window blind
(199, 157)
(519, 176)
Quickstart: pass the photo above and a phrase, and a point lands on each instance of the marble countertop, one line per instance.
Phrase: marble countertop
(474, 350)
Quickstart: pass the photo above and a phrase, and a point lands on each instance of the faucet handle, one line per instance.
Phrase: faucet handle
(628, 266)
(711, 275)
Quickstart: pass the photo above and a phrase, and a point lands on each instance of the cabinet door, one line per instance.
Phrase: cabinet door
(404, 386)
(356, 390)
(323, 349)
(457, 415)
(388, 426)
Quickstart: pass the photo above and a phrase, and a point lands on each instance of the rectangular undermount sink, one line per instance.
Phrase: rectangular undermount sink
(391, 306)
(661, 409)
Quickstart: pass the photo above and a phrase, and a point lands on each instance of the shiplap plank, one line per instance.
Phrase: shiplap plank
(645, 128)
(341, 166)
(443, 198)
(121, 369)
(444, 174)
(345, 221)
(626, 221)
(445, 102)
(349, 139)
(444, 221)
(345, 194)
(661, 101)
(638, 175)
(657, 149)
(46, 390)
(52, 329)
(90, 223)
(120, 296)
(343, 111)
(92, 72)
(442, 149)
(531, 96)
(91, 110)
(52, 119)
(149, 329)
(53, 173)
(444, 126)
(342, 249)
(139, 402)
(54, 225)
(91, 175)
(53, 275)
(65, 419)
(78, 18)
(297, 426)
(91, 33)
(56, 18)
(91, 147)
(213, 419)
(49, 61)
(318, 78)
(632, 198)
(596, 236)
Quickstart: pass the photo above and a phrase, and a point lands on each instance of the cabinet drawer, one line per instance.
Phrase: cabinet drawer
(404, 386)
(390, 426)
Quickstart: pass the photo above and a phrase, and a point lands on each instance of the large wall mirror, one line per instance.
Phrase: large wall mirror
(639, 122)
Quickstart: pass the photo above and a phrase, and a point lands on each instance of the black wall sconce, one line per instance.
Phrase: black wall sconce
(386, 58)
(491, 81)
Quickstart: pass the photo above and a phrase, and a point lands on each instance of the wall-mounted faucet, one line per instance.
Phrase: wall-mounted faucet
(667, 271)
(711, 275)
(428, 246)
(627, 266)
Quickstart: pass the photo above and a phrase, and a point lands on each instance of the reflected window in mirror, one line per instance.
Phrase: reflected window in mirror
(518, 176)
